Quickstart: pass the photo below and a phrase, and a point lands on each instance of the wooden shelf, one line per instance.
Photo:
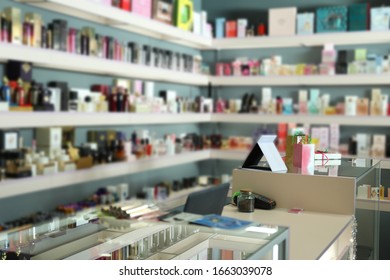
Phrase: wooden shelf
(314, 80)
(16, 187)
(124, 20)
(339, 39)
(80, 63)
(43, 119)
(304, 119)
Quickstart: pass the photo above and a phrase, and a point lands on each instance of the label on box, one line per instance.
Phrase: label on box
(10, 141)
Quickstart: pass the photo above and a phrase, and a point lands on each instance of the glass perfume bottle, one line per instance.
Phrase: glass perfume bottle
(73, 105)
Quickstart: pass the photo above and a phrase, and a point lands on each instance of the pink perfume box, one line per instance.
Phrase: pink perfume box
(142, 7)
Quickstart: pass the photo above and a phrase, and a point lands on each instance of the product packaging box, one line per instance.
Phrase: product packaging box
(49, 137)
(359, 17)
(220, 28)
(380, 19)
(37, 28)
(16, 70)
(13, 15)
(331, 19)
(282, 21)
(183, 14)
(241, 27)
(231, 29)
(142, 7)
(162, 11)
(9, 140)
(305, 23)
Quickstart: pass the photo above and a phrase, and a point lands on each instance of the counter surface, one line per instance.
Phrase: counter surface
(311, 233)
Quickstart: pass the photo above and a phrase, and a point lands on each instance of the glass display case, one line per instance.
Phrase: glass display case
(113, 239)
(349, 186)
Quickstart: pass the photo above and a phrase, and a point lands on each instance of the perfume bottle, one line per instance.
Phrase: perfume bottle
(73, 105)
(20, 93)
(279, 105)
(5, 91)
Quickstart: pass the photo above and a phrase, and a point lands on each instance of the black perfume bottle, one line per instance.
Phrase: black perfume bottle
(342, 62)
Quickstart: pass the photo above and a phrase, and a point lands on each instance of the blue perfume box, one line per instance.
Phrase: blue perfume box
(305, 23)
(220, 28)
(380, 19)
(358, 17)
(331, 19)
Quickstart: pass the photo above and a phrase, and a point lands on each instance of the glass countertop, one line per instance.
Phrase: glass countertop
(345, 167)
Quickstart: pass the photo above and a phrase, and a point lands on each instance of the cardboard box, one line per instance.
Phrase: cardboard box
(282, 21)
(305, 23)
(142, 8)
(49, 137)
(9, 140)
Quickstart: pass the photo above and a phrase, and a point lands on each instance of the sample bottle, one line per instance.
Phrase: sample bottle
(246, 201)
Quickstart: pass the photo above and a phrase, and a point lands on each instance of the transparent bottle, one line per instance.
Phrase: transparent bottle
(246, 201)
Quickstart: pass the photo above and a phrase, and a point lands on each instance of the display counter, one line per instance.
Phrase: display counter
(112, 239)
(328, 197)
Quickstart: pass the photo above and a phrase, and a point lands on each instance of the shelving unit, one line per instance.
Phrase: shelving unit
(319, 39)
(120, 19)
(42, 119)
(314, 80)
(16, 187)
(45, 119)
(372, 204)
(304, 119)
(73, 62)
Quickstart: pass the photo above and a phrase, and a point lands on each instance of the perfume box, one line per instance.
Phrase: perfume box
(350, 105)
(49, 137)
(142, 7)
(231, 29)
(37, 28)
(197, 26)
(378, 149)
(13, 15)
(363, 144)
(359, 17)
(220, 28)
(331, 19)
(162, 11)
(9, 140)
(63, 86)
(16, 70)
(55, 98)
(183, 14)
(282, 21)
(380, 19)
(241, 27)
(305, 23)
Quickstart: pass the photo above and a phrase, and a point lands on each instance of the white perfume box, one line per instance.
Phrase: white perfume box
(55, 98)
(363, 191)
(149, 90)
(204, 28)
(242, 24)
(350, 105)
(324, 138)
(363, 144)
(4, 107)
(380, 19)
(197, 23)
(266, 96)
(282, 21)
(302, 96)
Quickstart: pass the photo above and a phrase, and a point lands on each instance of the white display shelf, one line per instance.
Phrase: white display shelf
(305, 119)
(117, 18)
(373, 204)
(16, 187)
(342, 38)
(313, 80)
(52, 59)
(43, 119)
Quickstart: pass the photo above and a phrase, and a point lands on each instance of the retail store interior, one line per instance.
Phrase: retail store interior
(124, 122)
